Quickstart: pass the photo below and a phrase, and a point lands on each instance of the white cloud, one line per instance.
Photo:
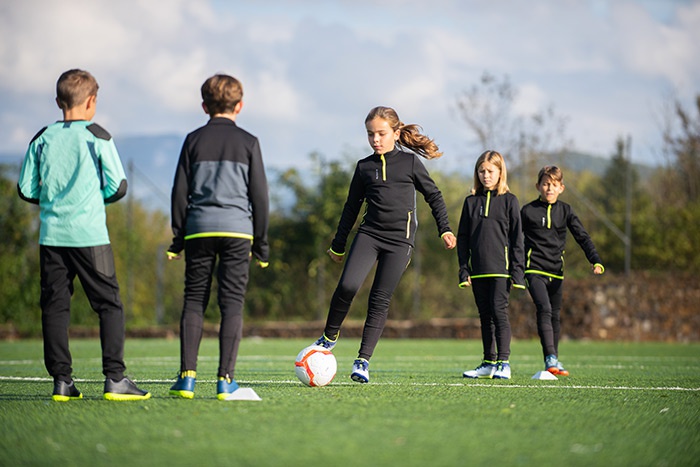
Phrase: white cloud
(530, 99)
(658, 49)
(273, 97)
(313, 69)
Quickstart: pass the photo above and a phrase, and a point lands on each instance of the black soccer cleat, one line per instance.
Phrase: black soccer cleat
(63, 392)
(124, 390)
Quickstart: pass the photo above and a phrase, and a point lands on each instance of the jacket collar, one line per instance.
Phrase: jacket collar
(391, 153)
(544, 202)
(221, 121)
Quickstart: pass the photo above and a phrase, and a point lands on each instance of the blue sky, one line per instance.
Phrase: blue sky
(312, 69)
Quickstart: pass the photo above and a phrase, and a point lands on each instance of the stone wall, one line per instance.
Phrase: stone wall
(639, 308)
(608, 307)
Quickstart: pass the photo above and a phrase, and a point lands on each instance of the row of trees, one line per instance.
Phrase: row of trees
(663, 231)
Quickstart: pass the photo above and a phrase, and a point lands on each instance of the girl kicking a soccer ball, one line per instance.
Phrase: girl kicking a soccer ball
(387, 181)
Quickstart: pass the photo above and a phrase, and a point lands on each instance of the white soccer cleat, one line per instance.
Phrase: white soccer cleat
(484, 371)
(503, 371)
(360, 371)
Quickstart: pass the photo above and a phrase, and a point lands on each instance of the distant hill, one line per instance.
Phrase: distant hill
(579, 162)
(149, 162)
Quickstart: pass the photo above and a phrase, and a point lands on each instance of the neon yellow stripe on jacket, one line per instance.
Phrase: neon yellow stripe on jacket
(485, 276)
(542, 273)
(219, 234)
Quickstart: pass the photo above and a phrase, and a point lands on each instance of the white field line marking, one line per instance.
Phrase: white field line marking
(296, 382)
(589, 362)
(417, 358)
(409, 358)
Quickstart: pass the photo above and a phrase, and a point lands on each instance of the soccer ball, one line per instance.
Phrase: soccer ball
(315, 366)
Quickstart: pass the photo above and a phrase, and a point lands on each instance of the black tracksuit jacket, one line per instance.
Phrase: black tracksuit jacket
(388, 183)
(544, 227)
(490, 238)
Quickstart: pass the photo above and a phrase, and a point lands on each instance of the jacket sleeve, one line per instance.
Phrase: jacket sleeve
(582, 238)
(29, 182)
(179, 200)
(113, 179)
(260, 203)
(516, 244)
(463, 241)
(353, 204)
(432, 195)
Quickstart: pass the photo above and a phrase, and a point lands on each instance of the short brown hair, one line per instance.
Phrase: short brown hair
(552, 172)
(221, 93)
(73, 87)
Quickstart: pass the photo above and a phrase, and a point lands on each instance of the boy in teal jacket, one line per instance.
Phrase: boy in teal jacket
(71, 170)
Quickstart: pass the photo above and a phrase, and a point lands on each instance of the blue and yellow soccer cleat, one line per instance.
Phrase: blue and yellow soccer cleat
(326, 343)
(225, 386)
(64, 392)
(184, 386)
(124, 390)
(484, 371)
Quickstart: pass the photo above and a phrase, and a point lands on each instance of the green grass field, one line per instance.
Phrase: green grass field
(624, 404)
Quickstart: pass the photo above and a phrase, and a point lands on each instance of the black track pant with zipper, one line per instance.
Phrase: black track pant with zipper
(546, 293)
(392, 259)
(232, 270)
(491, 297)
(94, 266)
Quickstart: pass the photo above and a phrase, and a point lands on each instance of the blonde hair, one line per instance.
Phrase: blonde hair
(221, 93)
(552, 172)
(495, 158)
(73, 87)
(410, 136)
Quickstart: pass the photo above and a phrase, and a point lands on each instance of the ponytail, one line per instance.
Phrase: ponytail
(410, 136)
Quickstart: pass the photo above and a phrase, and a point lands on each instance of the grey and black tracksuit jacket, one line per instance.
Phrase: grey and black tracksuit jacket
(220, 188)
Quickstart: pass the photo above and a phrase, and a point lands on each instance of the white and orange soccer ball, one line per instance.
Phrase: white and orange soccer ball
(315, 366)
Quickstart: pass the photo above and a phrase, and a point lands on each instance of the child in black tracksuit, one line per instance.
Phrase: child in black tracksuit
(545, 221)
(219, 212)
(387, 180)
(490, 252)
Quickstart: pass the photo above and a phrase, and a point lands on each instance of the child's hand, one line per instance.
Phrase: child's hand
(174, 256)
(597, 269)
(336, 258)
(466, 283)
(449, 240)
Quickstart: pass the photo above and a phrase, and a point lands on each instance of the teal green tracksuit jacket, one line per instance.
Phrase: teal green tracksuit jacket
(71, 170)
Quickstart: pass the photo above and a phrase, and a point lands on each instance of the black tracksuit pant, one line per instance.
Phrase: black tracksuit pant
(392, 260)
(491, 297)
(232, 276)
(94, 266)
(546, 292)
